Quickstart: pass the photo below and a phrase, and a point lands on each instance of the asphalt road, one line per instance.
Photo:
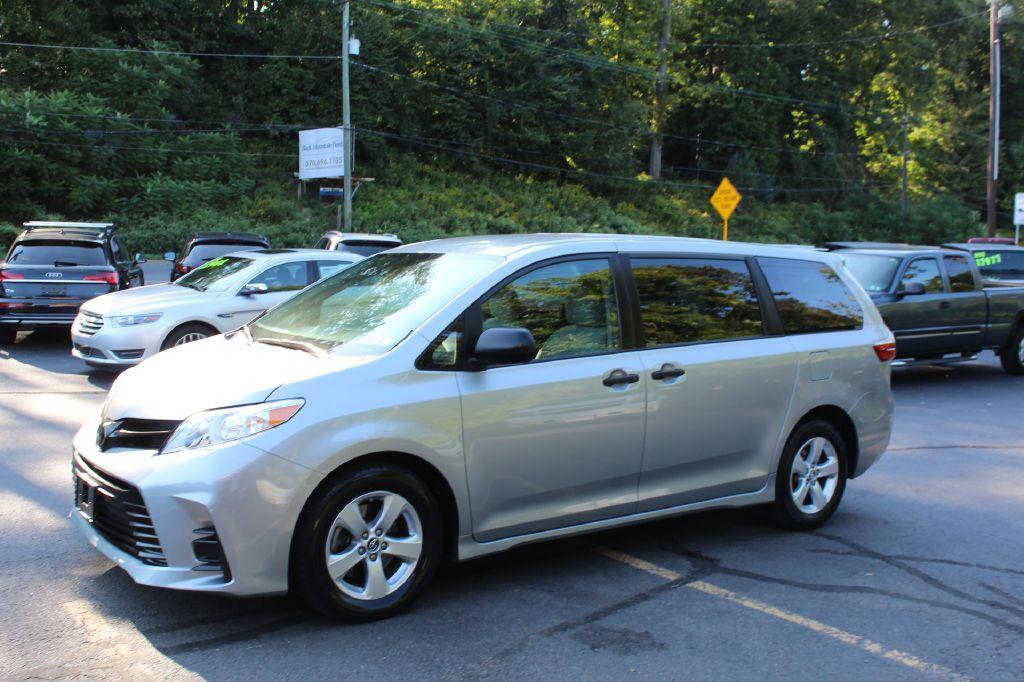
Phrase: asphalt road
(919, 575)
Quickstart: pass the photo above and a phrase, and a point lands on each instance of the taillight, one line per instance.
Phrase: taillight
(183, 269)
(10, 275)
(885, 351)
(108, 277)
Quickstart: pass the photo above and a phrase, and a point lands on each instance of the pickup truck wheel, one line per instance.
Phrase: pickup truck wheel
(7, 335)
(1012, 356)
(811, 476)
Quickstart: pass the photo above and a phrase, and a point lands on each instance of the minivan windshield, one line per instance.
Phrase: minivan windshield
(873, 271)
(219, 274)
(369, 308)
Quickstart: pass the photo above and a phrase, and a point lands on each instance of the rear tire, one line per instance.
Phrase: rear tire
(811, 477)
(187, 333)
(367, 544)
(1012, 356)
(7, 335)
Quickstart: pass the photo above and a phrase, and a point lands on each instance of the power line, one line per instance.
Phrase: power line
(174, 53)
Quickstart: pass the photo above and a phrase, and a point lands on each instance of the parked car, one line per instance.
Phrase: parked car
(203, 247)
(53, 267)
(361, 243)
(459, 397)
(123, 328)
(934, 301)
(999, 264)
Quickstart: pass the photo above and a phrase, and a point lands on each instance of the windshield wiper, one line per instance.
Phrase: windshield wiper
(297, 345)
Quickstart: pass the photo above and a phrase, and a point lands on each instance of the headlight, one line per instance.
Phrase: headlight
(219, 426)
(129, 320)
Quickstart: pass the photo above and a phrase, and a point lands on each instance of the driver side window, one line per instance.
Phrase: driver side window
(925, 271)
(570, 308)
(283, 277)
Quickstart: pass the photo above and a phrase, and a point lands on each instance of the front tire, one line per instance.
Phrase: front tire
(1012, 356)
(187, 333)
(811, 476)
(367, 544)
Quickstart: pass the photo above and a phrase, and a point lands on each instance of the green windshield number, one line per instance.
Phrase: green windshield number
(982, 259)
(215, 263)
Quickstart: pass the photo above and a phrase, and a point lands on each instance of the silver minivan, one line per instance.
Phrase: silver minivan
(454, 398)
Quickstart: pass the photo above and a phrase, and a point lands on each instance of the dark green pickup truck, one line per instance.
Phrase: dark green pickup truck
(935, 303)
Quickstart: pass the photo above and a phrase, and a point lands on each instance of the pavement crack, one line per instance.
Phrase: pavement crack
(926, 578)
(713, 563)
(925, 560)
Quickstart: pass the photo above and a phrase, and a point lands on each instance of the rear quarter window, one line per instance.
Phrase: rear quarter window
(810, 297)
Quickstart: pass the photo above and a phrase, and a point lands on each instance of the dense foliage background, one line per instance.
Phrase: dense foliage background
(507, 115)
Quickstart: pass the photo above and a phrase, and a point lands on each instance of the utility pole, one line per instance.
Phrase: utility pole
(346, 114)
(993, 117)
(658, 140)
(906, 158)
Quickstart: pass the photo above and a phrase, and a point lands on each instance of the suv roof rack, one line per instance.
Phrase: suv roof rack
(94, 229)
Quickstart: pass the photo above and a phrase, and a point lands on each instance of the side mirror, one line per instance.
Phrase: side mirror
(504, 346)
(140, 258)
(913, 289)
(170, 255)
(253, 289)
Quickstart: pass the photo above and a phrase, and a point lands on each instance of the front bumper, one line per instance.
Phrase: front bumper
(117, 346)
(251, 498)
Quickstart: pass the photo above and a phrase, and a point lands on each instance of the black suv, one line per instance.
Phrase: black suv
(205, 246)
(54, 267)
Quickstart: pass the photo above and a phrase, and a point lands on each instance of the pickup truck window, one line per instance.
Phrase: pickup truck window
(926, 272)
(810, 296)
(960, 276)
(874, 272)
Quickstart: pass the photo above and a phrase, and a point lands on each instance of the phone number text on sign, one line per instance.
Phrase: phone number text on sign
(321, 153)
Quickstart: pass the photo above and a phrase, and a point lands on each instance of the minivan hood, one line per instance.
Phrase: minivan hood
(148, 299)
(215, 372)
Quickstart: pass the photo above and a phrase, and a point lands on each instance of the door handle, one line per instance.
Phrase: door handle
(667, 371)
(619, 376)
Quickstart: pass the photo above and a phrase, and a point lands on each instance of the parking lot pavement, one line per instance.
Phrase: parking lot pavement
(919, 575)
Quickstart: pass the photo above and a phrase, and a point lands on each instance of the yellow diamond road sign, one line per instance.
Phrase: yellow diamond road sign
(725, 199)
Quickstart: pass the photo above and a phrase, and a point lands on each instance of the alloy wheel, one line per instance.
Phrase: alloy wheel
(374, 545)
(189, 338)
(814, 475)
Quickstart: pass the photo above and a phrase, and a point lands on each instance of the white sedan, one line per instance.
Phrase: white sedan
(124, 328)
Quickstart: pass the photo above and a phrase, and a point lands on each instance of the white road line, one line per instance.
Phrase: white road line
(872, 647)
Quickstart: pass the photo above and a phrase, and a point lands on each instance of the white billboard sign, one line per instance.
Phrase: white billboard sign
(1018, 208)
(321, 153)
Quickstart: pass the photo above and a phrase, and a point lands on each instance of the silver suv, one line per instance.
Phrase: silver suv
(459, 397)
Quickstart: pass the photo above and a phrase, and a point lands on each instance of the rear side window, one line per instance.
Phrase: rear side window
(202, 253)
(686, 300)
(329, 267)
(57, 253)
(960, 276)
(924, 271)
(810, 297)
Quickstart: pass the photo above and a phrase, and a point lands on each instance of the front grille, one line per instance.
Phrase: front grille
(88, 323)
(143, 434)
(119, 513)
